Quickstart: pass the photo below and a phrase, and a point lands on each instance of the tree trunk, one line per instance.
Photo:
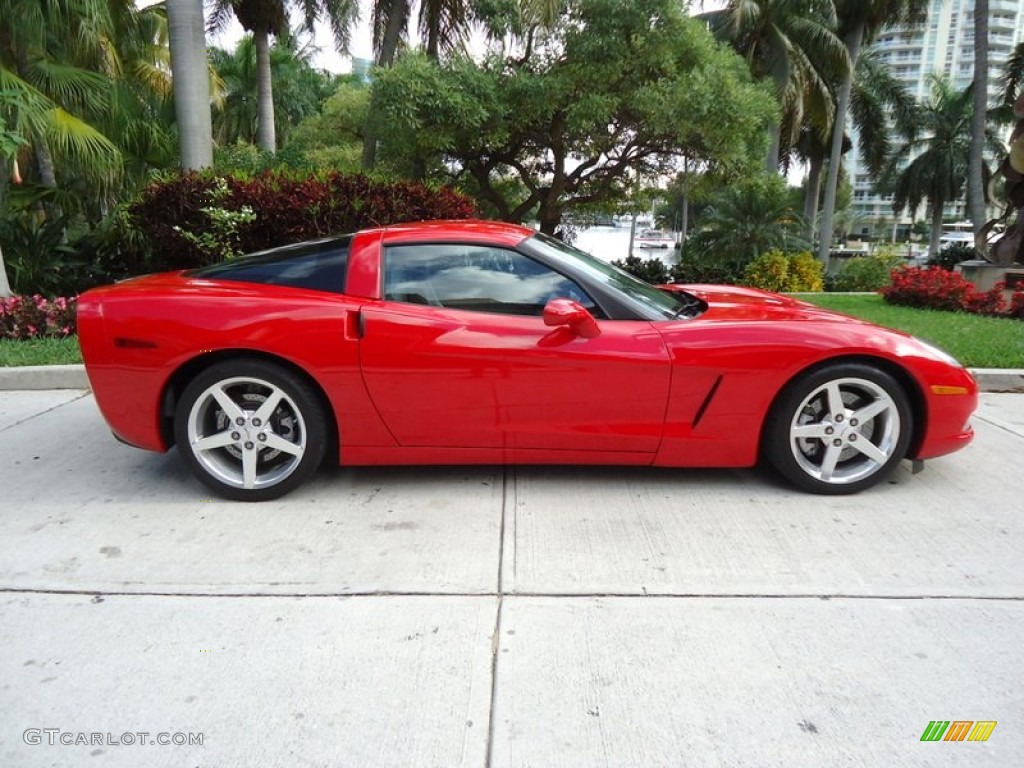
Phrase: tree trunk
(44, 164)
(550, 216)
(5, 285)
(811, 196)
(933, 243)
(266, 135)
(398, 17)
(684, 228)
(975, 181)
(191, 82)
(853, 44)
(771, 160)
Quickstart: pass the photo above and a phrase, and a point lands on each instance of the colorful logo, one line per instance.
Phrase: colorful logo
(959, 730)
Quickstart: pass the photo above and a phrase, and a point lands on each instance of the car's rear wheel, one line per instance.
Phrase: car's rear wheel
(840, 429)
(250, 430)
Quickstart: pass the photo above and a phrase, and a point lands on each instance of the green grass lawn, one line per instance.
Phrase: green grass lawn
(976, 341)
(15, 352)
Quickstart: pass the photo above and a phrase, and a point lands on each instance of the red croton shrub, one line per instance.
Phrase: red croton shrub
(31, 317)
(939, 288)
(288, 208)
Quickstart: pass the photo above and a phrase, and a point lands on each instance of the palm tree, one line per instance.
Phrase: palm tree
(792, 44)
(270, 17)
(859, 22)
(876, 96)
(191, 82)
(40, 47)
(1013, 76)
(975, 182)
(932, 166)
(299, 89)
(742, 222)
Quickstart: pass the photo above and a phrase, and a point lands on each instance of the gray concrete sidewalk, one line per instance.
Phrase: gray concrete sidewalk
(503, 617)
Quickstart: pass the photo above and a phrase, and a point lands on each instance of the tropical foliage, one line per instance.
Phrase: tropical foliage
(300, 90)
(746, 220)
(859, 22)
(85, 86)
(617, 90)
(793, 45)
(932, 166)
(266, 18)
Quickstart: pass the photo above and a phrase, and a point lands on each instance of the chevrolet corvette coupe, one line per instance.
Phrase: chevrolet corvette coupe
(477, 342)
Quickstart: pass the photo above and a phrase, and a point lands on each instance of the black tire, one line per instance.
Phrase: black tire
(839, 429)
(250, 455)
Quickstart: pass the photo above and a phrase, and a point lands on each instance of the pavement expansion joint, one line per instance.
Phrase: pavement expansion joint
(37, 414)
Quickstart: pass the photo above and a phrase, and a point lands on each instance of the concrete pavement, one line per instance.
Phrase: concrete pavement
(502, 617)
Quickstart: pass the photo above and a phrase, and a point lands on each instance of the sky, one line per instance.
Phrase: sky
(362, 46)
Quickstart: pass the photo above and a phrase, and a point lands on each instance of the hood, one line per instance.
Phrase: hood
(733, 302)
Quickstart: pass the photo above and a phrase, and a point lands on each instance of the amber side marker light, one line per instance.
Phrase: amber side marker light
(939, 389)
(124, 342)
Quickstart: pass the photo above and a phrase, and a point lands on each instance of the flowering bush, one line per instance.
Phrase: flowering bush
(31, 317)
(938, 288)
(1017, 304)
(929, 288)
(990, 302)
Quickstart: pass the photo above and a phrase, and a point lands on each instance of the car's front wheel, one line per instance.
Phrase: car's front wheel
(250, 430)
(840, 429)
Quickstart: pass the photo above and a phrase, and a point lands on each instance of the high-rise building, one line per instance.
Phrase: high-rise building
(943, 44)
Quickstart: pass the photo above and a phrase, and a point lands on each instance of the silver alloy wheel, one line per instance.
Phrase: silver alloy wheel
(845, 430)
(246, 432)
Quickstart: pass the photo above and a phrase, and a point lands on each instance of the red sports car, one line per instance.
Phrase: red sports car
(484, 343)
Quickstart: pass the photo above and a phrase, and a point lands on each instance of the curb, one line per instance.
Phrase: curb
(999, 379)
(34, 377)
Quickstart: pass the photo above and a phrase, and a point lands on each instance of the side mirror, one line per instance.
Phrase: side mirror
(568, 312)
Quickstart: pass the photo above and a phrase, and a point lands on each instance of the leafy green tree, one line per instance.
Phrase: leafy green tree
(333, 138)
(443, 26)
(746, 220)
(793, 45)
(265, 18)
(617, 90)
(932, 167)
(859, 22)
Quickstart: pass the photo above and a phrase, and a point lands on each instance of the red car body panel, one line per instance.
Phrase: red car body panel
(420, 384)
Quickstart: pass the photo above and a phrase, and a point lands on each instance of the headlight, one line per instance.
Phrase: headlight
(940, 354)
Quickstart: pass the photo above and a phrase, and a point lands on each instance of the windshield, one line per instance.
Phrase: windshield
(650, 302)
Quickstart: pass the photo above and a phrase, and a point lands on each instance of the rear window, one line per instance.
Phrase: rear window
(315, 266)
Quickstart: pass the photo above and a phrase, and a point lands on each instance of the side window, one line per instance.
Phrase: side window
(315, 266)
(477, 278)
